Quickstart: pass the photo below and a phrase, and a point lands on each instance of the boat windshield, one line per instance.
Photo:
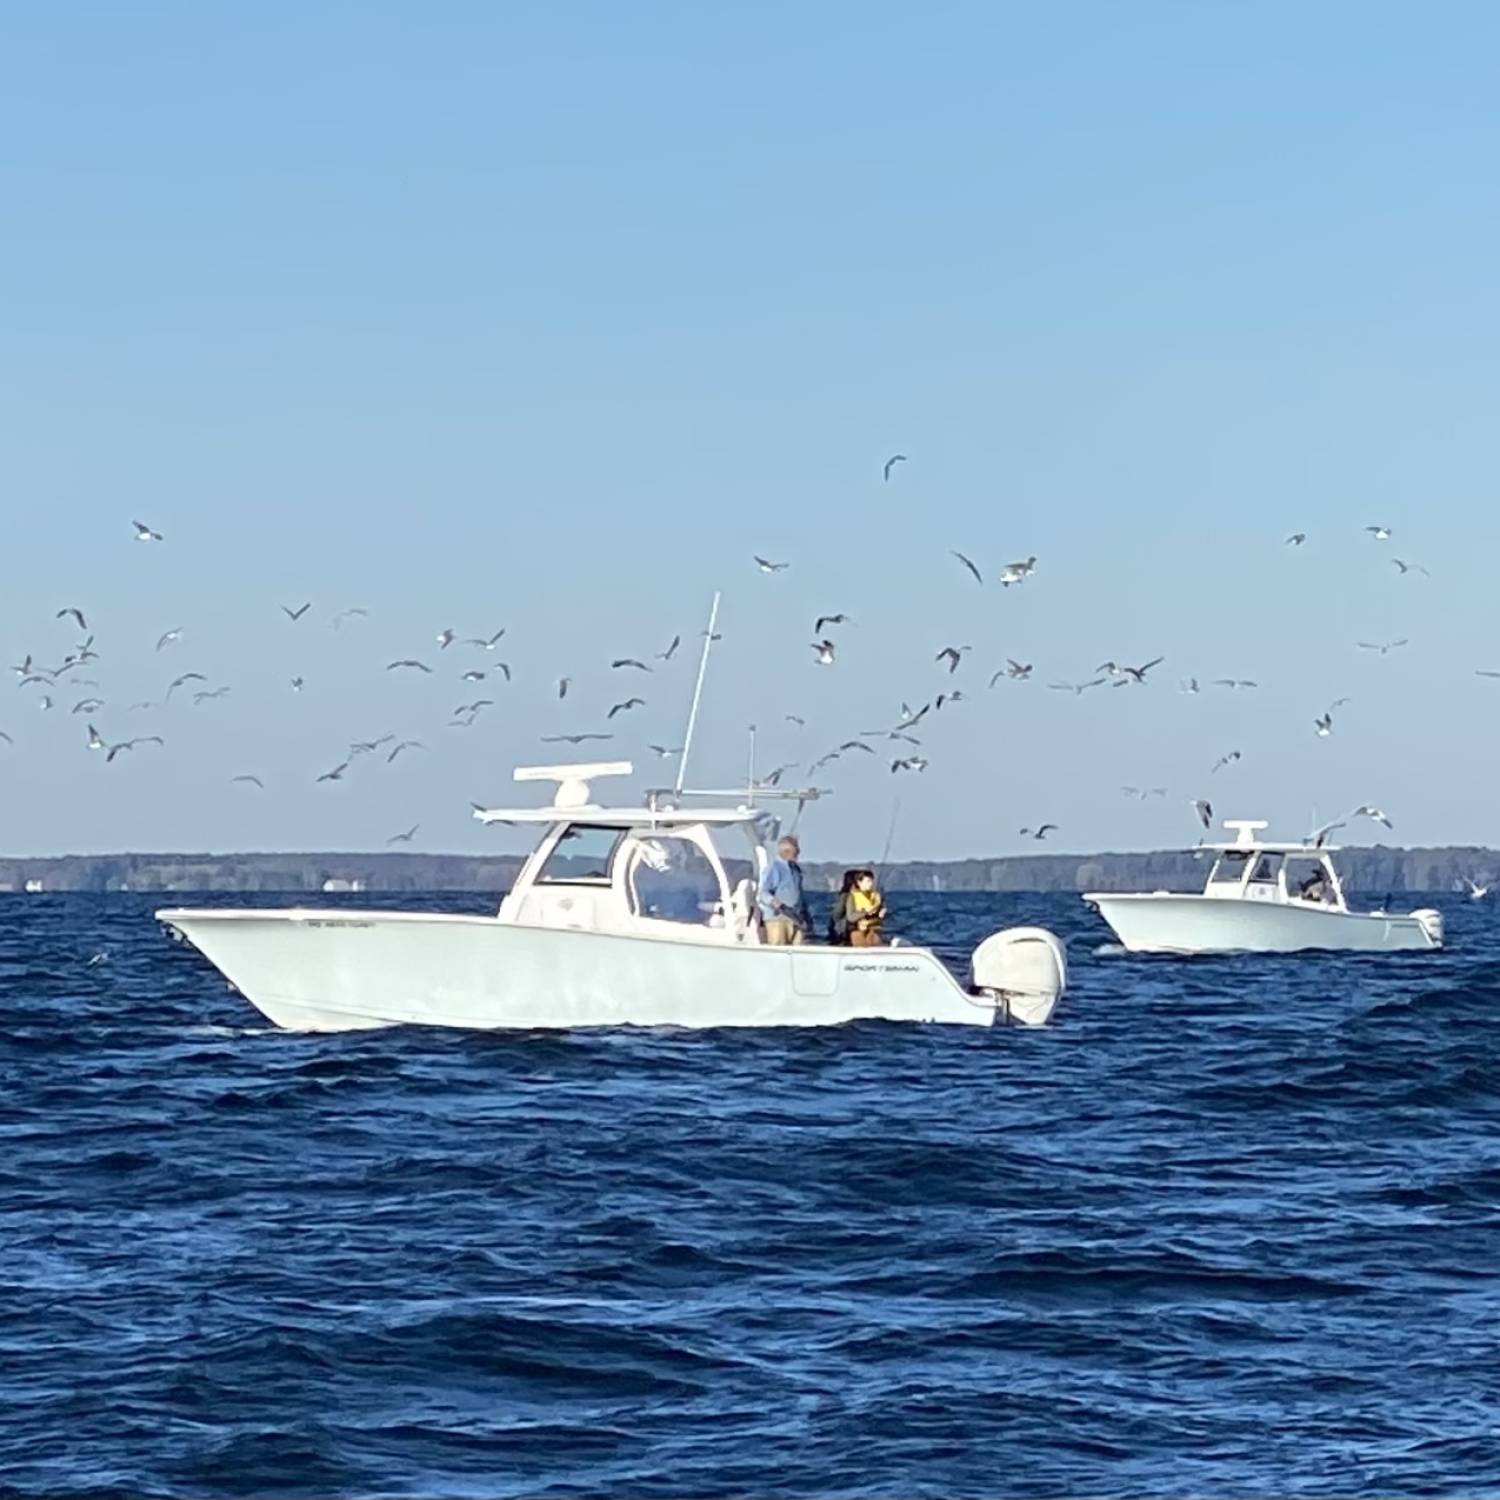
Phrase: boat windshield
(1267, 868)
(1230, 869)
(581, 856)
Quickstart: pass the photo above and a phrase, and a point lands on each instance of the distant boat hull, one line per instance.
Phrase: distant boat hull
(1169, 923)
(311, 970)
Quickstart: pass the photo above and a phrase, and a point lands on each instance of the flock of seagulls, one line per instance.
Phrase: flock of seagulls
(898, 743)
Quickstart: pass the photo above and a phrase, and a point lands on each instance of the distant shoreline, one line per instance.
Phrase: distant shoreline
(1366, 869)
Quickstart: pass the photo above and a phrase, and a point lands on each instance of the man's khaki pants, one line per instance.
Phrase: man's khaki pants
(782, 932)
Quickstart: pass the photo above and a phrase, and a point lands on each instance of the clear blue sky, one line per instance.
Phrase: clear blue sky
(549, 317)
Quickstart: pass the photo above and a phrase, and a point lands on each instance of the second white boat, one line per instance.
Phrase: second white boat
(1263, 897)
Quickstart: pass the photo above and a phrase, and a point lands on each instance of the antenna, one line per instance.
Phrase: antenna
(890, 836)
(750, 770)
(687, 739)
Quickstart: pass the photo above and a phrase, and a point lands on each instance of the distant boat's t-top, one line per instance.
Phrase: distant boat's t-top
(1262, 897)
(621, 916)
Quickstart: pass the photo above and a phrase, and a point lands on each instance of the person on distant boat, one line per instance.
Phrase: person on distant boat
(1315, 887)
(783, 906)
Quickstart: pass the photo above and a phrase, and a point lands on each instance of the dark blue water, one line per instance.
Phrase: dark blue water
(1228, 1225)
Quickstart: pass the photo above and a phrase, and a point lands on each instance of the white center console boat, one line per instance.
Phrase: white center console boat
(621, 916)
(1262, 897)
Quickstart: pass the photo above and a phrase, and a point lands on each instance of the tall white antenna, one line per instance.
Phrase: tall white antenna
(750, 770)
(687, 739)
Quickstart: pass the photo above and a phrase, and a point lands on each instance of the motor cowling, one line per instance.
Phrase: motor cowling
(1025, 969)
(1432, 924)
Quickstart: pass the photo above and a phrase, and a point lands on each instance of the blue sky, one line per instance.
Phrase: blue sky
(548, 318)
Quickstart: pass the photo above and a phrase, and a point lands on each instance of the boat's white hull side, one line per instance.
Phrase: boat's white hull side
(1163, 923)
(338, 971)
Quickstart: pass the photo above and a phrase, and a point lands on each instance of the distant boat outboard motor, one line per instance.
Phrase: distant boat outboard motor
(1023, 970)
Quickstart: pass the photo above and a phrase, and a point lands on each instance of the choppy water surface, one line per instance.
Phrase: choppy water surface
(1228, 1225)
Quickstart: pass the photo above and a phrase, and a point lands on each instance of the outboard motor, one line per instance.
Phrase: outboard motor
(1023, 970)
(1432, 924)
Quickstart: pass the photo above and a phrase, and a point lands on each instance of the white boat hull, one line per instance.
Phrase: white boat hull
(339, 971)
(1169, 923)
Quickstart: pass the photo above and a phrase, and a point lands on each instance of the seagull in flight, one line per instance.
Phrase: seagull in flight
(486, 643)
(182, 681)
(96, 740)
(628, 661)
(823, 620)
(1076, 688)
(404, 745)
(629, 703)
(407, 661)
(1018, 572)
(77, 614)
(563, 684)
(298, 683)
(1296, 539)
(349, 614)
(296, 614)
(1137, 675)
(671, 650)
(890, 463)
(404, 838)
(968, 563)
(445, 639)
(1015, 670)
(1380, 533)
(664, 752)
(473, 675)
(368, 747)
(573, 739)
(167, 637)
(144, 533)
(145, 739)
(1384, 648)
(766, 566)
(1143, 792)
(1478, 892)
(1485, 672)
(952, 655)
(204, 697)
(252, 780)
(87, 706)
(825, 652)
(1225, 760)
(1233, 682)
(1366, 811)
(1324, 725)
(1039, 833)
(1319, 836)
(908, 763)
(337, 773)
(1205, 811)
(1409, 567)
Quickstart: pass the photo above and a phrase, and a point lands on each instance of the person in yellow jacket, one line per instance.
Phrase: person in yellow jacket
(865, 912)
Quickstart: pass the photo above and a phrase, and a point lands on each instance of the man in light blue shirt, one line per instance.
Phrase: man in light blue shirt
(783, 907)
